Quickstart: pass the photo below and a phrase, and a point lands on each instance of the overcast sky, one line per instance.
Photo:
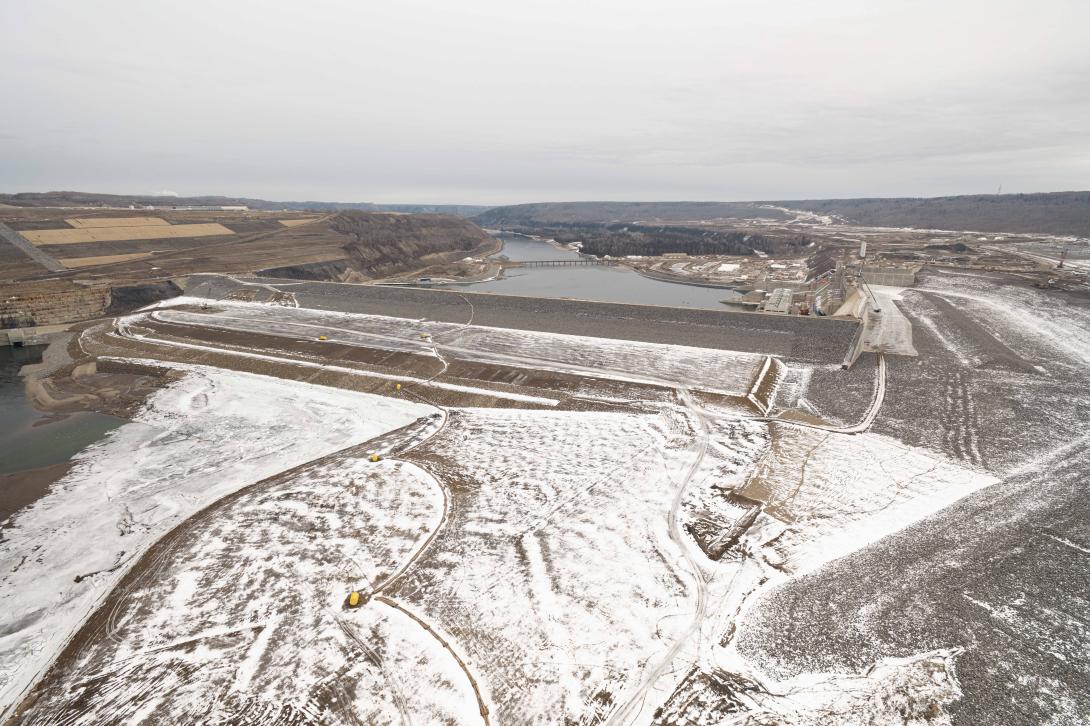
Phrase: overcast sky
(503, 101)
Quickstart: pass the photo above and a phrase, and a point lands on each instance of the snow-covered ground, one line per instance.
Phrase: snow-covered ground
(832, 493)
(552, 564)
(559, 571)
(247, 617)
(209, 434)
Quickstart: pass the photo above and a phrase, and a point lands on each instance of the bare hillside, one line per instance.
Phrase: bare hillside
(386, 244)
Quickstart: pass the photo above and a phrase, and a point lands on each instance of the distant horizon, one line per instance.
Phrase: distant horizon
(302, 199)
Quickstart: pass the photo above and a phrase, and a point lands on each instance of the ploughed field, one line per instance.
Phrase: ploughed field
(561, 527)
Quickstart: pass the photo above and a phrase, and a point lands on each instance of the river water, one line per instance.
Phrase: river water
(30, 439)
(603, 284)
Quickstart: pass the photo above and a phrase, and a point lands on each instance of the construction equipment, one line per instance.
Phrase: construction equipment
(322, 337)
(374, 458)
(354, 599)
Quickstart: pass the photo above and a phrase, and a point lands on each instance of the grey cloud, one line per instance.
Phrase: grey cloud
(488, 101)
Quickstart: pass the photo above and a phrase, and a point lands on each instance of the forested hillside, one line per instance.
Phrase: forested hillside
(619, 240)
(1060, 213)
(606, 212)
(1057, 213)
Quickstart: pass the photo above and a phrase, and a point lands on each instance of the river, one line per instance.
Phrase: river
(599, 283)
(32, 440)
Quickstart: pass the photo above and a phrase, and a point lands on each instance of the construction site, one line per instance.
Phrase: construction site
(327, 501)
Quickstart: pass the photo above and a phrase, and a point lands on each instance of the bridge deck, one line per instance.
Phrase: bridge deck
(585, 262)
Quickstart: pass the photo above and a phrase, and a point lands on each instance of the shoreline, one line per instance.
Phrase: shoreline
(662, 277)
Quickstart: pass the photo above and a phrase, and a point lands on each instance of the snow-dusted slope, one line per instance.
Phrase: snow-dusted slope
(209, 434)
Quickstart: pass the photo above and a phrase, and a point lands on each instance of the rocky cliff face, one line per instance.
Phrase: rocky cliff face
(384, 244)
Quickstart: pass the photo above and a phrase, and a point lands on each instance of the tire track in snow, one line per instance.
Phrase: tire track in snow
(446, 644)
(634, 705)
(960, 431)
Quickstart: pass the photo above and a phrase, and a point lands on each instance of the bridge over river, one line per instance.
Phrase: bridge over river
(582, 262)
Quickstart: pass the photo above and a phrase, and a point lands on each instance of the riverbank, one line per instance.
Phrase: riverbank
(477, 266)
(678, 280)
(37, 444)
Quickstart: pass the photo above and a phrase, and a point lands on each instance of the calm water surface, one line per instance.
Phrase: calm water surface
(604, 284)
(29, 438)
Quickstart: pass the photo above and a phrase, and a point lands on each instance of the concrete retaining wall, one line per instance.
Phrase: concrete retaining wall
(886, 276)
(29, 336)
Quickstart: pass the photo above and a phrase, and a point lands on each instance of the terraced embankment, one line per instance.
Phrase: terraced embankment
(810, 340)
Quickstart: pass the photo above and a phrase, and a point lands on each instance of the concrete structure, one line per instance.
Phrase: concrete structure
(808, 339)
(18, 337)
(779, 301)
(895, 276)
(585, 262)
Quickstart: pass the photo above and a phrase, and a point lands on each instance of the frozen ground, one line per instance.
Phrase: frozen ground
(905, 543)
(209, 434)
(559, 575)
(999, 386)
(830, 510)
(559, 572)
(244, 620)
(1001, 375)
